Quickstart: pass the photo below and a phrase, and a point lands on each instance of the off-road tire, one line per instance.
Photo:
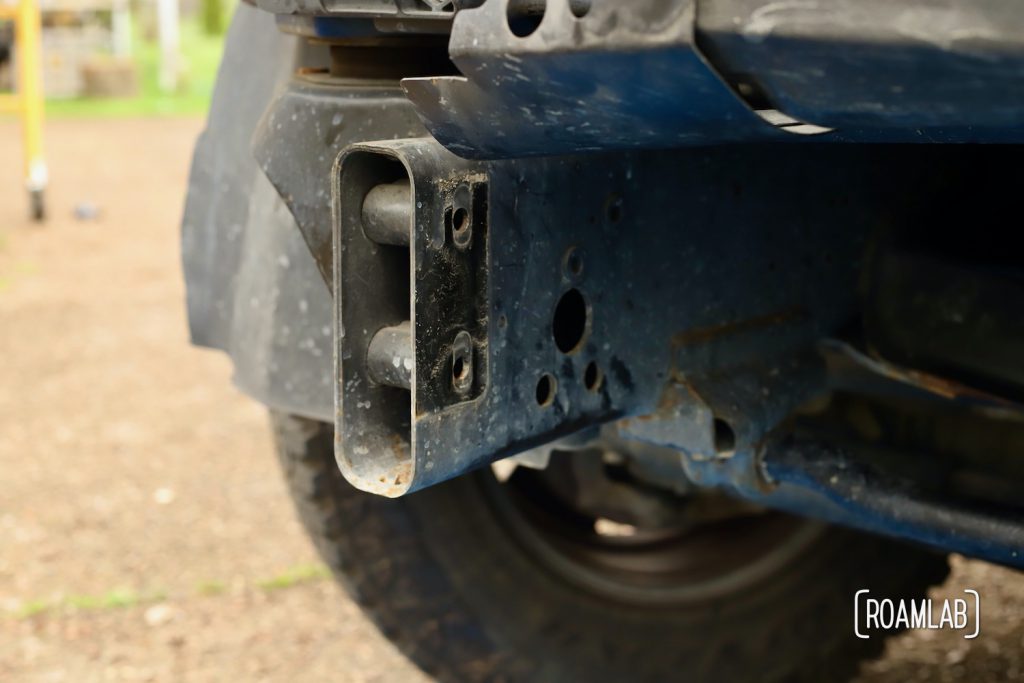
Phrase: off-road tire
(462, 599)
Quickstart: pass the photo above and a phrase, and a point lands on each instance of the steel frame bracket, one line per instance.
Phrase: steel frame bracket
(564, 312)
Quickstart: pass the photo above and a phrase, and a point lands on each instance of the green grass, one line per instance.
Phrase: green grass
(120, 598)
(200, 55)
(33, 607)
(295, 576)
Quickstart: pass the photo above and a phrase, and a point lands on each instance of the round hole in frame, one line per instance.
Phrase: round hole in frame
(579, 8)
(524, 16)
(593, 378)
(570, 322)
(724, 437)
(460, 220)
(546, 388)
(459, 369)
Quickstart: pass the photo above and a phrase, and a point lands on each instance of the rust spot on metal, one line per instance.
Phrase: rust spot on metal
(940, 386)
(674, 394)
(400, 448)
(669, 400)
(399, 477)
(704, 335)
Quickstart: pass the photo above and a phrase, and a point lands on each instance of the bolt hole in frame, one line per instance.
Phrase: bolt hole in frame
(593, 377)
(724, 438)
(525, 16)
(571, 321)
(580, 8)
(460, 220)
(460, 223)
(573, 262)
(547, 387)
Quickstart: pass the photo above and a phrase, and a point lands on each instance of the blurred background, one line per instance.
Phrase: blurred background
(145, 532)
(125, 57)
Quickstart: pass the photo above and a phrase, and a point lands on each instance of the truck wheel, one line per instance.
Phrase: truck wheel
(476, 580)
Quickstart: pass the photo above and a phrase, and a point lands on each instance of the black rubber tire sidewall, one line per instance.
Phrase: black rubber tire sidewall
(444, 580)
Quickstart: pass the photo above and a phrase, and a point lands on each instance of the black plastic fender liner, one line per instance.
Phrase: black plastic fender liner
(253, 289)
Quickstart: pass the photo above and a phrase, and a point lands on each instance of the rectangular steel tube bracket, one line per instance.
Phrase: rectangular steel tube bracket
(435, 284)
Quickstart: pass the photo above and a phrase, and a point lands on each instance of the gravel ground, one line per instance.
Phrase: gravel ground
(145, 533)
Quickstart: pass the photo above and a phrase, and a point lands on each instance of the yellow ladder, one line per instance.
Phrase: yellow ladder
(27, 99)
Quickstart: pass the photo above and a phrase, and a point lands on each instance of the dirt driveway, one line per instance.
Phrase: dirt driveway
(144, 531)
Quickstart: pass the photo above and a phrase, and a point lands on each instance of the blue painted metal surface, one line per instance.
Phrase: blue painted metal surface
(865, 498)
(657, 73)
